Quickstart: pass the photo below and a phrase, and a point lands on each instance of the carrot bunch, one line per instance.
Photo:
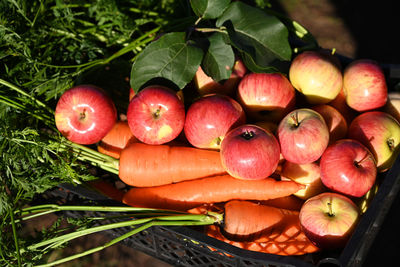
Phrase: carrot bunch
(180, 177)
(260, 228)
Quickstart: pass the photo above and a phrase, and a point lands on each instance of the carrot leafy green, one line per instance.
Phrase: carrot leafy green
(48, 46)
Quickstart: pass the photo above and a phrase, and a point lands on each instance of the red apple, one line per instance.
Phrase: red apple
(266, 96)
(206, 85)
(329, 219)
(364, 85)
(317, 75)
(303, 136)
(348, 167)
(337, 124)
(209, 118)
(85, 114)
(156, 115)
(380, 133)
(393, 105)
(249, 152)
(307, 174)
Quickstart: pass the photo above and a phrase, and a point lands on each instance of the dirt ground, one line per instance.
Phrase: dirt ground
(352, 30)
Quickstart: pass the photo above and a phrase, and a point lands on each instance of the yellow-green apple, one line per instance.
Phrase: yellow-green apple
(308, 174)
(249, 152)
(380, 133)
(206, 85)
(209, 118)
(329, 219)
(393, 105)
(266, 96)
(337, 124)
(156, 115)
(317, 75)
(348, 167)
(303, 136)
(364, 85)
(340, 104)
(85, 114)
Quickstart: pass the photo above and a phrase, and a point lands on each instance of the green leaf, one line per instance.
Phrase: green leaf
(260, 36)
(171, 57)
(219, 59)
(209, 9)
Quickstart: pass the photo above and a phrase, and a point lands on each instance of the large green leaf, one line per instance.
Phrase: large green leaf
(209, 9)
(171, 57)
(219, 59)
(257, 34)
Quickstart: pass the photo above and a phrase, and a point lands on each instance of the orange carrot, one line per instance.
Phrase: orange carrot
(189, 194)
(264, 219)
(260, 228)
(107, 189)
(144, 165)
(116, 139)
(289, 202)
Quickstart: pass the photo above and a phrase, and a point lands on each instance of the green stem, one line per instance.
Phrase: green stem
(55, 208)
(141, 41)
(187, 219)
(16, 105)
(94, 157)
(208, 221)
(19, 90)
(99, 248)
(222, 29)
(14, 229)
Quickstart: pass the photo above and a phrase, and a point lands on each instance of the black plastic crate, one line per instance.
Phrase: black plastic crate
(187, 246)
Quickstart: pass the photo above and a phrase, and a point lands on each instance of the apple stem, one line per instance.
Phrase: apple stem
(248, 135)
(295, 118)
(82, 115)
(357, 163)
(156, 114)
(390, 143)
(330, 212)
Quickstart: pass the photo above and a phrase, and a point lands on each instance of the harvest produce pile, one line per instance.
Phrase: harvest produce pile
(268, 146)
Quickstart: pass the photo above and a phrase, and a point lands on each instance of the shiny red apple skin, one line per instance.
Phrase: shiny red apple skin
(156, 115)
(329, 219)
(250, 152)
(209, 119)
(380, 133)
(266, 96)
(337, 124)
(364, 85)
(317, 75)
(303, 136)
(348, 167)
(84, 114)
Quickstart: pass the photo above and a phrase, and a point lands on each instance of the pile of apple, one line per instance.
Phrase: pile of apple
(332, 129)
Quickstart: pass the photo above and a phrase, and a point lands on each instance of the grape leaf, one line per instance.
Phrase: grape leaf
(259, 35)
(209, 9)
(219, 59)
(171, 57)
